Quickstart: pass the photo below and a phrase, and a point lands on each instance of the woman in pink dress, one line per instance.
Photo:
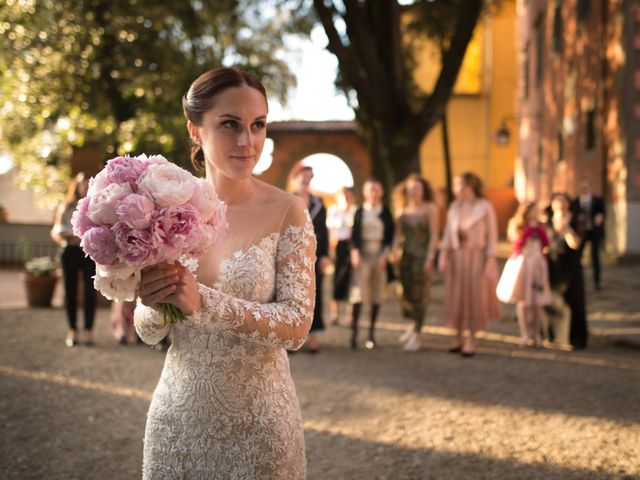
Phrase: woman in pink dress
(468, 262)
(528, 283)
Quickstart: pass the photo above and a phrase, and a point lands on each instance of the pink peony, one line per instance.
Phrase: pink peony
(135, 246)
(167, 184)
(153, 159)
(205, 200)
(218, 222)
(206, 236)
(176, 231)
(136, 211)
(79, 220)
(103, 202)
(125, 170)
(99, 243)
(99, 182)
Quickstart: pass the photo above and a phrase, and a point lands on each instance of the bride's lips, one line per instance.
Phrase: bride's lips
(243, 158)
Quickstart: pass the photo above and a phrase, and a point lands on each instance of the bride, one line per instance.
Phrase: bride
(225, 406)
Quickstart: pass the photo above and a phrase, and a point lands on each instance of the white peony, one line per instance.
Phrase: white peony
(117, 282)
(168, 184)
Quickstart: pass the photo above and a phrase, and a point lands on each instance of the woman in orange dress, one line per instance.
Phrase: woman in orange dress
(468, 262)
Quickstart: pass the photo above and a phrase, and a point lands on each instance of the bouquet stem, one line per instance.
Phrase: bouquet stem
(172, 314)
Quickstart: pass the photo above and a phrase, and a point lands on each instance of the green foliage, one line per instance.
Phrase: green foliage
(112, 72)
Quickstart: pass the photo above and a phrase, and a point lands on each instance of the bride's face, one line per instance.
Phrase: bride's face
(233, 131)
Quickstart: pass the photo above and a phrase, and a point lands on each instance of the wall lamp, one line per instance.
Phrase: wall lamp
(503, 134)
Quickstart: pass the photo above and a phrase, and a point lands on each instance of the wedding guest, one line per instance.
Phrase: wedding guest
(73, 262)
(565, 269)
(300, 185)
(340, 222)
(589, 210)
(525, 278)
(122, 327)
(371, 241)
(225, 405)
(468, 262)
(416, 238)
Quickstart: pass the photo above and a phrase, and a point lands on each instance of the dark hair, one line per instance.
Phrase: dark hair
(73, 195)
(564, 195)
(427, 193)
(472, 180)
(199, 98)
(298, 168)
(399, 196)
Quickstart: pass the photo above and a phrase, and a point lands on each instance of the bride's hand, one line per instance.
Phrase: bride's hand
(157, 282)
(185, 295)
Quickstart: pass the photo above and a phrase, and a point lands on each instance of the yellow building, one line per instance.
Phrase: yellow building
(483, 102)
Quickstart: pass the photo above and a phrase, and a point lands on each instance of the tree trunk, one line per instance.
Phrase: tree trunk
(447, 157)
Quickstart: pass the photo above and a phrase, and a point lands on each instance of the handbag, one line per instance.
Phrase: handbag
(509, 282)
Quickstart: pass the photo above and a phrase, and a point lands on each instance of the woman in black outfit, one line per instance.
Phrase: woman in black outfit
(565, 269)
(74, 260)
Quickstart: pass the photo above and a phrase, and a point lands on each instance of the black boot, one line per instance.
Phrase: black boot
(372, 326)
(355, 315)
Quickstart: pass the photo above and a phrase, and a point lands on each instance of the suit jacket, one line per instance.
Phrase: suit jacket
(387, 220)
(597, 207)
(318, 215)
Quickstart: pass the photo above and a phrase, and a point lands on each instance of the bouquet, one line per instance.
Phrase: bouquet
(141, 211)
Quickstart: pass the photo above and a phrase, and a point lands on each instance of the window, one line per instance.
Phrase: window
(583, 10)
(525, 72)
(558, 29)
(590, 130)
(539, 28)
(560, 146)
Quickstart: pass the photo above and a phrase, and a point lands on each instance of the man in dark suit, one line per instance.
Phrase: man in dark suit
(589, 209)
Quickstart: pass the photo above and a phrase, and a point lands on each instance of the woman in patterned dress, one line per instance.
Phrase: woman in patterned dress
(415, 246)
(225, 406)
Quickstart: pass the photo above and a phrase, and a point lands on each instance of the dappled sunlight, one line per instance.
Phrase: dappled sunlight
(552, 352)
(534, 437)
(76, 382)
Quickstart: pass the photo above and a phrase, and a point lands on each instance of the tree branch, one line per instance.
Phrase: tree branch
(350, 66)
(434, 106)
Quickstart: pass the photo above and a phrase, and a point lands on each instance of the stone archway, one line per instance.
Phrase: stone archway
(295, 140)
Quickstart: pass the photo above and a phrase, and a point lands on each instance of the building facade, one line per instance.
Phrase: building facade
(578, 100)
(483, 102)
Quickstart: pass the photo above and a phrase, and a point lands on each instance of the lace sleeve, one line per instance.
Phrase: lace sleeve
(285, 321)
(149, 324)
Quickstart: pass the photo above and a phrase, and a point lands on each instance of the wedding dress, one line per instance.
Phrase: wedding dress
(225, 406)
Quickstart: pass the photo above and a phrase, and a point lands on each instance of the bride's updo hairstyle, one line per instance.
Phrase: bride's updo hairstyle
(201, 96)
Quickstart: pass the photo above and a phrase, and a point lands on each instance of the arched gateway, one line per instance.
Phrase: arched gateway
(296, 139)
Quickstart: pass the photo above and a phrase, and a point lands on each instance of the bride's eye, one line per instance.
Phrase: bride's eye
(230, 124)
(259, 125)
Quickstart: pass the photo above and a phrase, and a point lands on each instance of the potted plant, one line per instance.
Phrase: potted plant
(40, 278)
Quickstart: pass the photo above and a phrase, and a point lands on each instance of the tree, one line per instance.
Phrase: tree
(112, 72)
(374, 42)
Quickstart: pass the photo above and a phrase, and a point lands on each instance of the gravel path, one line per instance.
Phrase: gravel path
(381, 414)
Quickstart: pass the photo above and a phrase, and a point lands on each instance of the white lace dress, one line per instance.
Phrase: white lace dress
(225, 406)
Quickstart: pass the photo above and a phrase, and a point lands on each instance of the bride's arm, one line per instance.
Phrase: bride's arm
(149, 324)
(285, 321)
